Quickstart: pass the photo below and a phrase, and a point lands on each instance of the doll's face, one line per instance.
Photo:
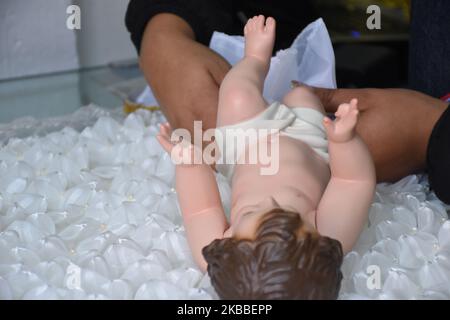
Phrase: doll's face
(249, 220)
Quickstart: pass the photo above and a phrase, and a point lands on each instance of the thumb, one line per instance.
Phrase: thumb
(167, 145)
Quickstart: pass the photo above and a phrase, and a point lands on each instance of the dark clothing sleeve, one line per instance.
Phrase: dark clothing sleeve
(204, 16)
(429, 60)
(229, 16)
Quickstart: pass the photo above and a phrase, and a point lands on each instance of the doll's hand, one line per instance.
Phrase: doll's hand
(180, 151)
(343, 128)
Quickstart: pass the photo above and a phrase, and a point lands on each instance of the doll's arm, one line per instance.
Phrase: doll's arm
(344, 207)
(203, 215)
(198, 195)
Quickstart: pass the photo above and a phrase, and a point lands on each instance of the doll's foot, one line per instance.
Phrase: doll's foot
(260, 38)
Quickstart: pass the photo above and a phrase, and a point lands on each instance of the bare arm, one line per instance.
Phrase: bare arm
(184, 75)
(395, 124)
(203, 215)
(344, 207)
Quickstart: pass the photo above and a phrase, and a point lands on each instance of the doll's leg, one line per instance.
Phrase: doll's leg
(303, 96)
(240, 96)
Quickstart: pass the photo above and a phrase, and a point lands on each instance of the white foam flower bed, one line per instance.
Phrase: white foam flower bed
(93, 215)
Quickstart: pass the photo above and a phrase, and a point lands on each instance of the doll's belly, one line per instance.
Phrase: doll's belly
(299, 182)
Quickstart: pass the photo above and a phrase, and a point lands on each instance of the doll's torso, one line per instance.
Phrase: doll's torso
(298, 185)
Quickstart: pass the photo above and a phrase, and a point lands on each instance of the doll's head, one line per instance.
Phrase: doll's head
(285, 260)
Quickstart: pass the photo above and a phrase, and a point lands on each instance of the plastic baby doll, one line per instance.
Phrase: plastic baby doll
(287, 231)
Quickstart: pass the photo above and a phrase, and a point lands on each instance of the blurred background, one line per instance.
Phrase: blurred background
(368, 58)
(48, 70)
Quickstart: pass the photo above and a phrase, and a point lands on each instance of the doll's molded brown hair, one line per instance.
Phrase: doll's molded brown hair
(283, 262)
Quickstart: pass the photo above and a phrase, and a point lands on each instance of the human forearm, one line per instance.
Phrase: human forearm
(184, 75)
(395, 124)
(165, 36)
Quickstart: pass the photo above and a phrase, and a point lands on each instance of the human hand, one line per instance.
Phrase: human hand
(395, 124)
(184, 75)
(343, 128)
(181, 152)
